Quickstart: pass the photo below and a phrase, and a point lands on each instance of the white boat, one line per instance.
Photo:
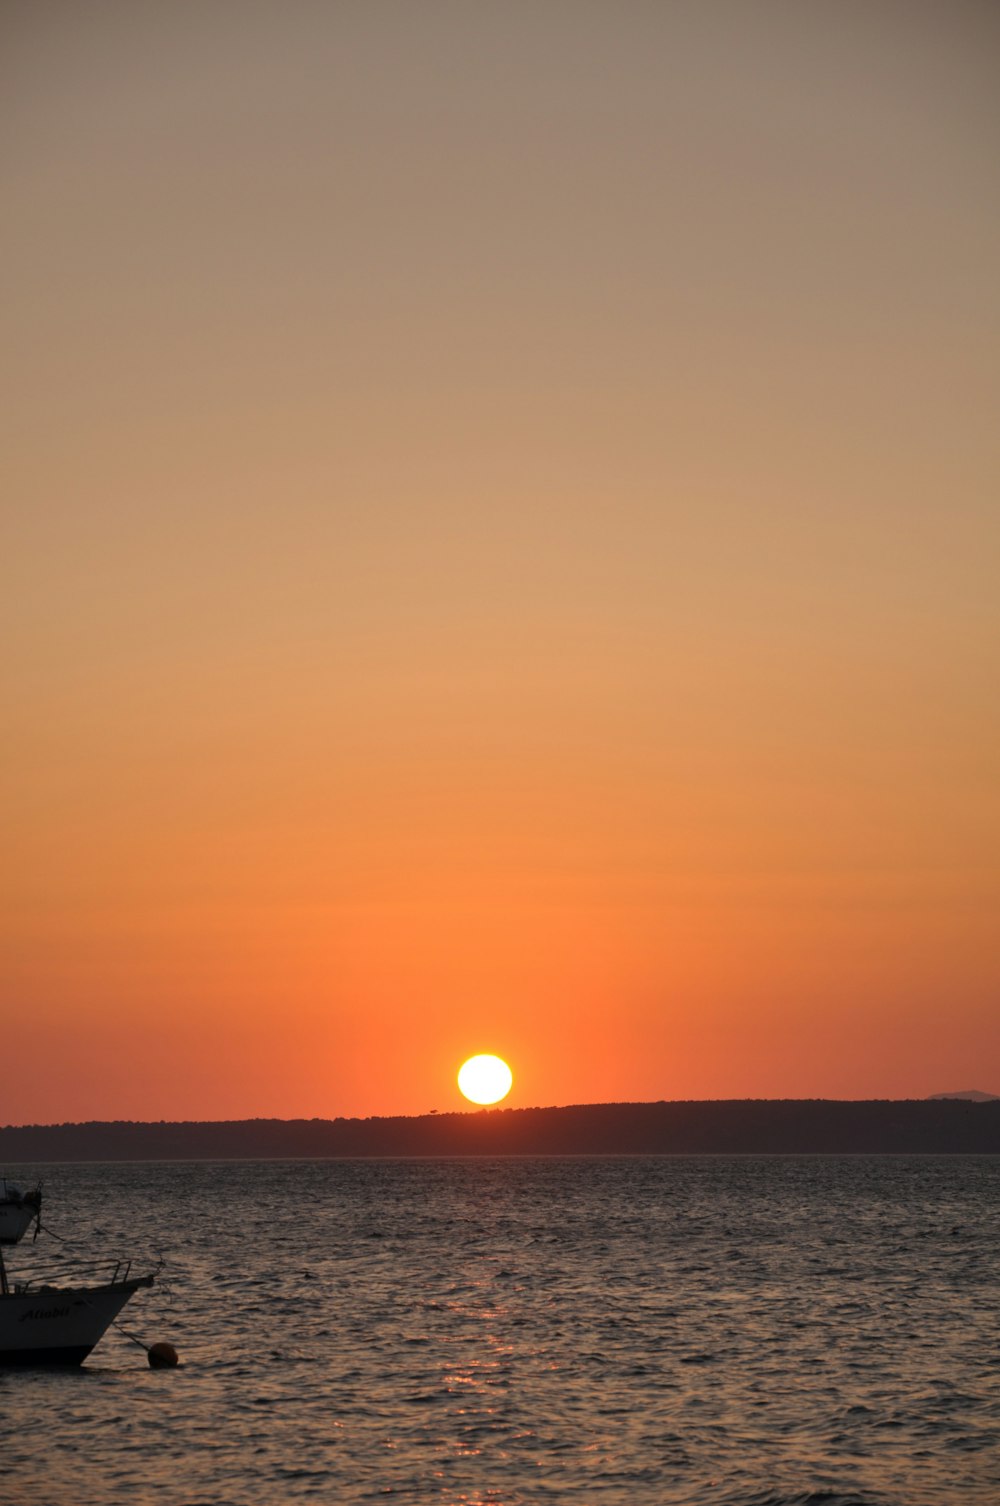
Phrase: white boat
(42, 1323)
(59, 1325)
(18, 1211)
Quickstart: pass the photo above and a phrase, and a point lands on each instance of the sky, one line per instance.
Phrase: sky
(499, 553)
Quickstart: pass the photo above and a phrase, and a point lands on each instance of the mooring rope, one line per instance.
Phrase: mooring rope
(122, 1329)
(121, 1326)
(41, 1228)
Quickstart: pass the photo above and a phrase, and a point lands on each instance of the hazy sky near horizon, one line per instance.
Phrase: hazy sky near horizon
(500, 552)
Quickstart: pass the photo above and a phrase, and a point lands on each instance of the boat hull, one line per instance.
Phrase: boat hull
(59, 1325)
(16, 1219)
(66, 1354)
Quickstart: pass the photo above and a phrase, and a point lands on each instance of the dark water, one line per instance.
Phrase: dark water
(643, 1330)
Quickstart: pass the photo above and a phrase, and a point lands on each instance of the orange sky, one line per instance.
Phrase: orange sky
(499, 554)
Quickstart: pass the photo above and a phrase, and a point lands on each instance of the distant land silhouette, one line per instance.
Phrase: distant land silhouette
(751, 1126)
(972, 1094)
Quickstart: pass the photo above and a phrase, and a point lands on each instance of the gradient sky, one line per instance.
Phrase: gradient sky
(500, 552)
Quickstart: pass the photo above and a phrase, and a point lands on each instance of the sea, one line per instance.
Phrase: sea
(727, 1331)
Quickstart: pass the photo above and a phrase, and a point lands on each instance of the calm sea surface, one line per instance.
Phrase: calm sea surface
(713, 1330)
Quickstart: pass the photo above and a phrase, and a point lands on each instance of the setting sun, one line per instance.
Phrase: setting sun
(485, 1079)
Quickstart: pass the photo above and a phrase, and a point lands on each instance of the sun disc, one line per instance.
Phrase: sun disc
(485, 1079)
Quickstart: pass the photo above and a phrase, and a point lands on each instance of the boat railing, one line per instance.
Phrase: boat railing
(63, 1274)
(23, 1197)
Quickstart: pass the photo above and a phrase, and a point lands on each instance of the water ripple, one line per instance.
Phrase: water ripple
(731, 1332)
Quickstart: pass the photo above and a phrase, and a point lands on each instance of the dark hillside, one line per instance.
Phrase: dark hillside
(757, 1126)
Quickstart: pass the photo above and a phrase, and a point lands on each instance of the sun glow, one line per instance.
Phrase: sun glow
(485, 1079)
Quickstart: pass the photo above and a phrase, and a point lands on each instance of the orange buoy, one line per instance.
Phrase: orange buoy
(161, 1356)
